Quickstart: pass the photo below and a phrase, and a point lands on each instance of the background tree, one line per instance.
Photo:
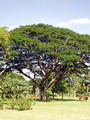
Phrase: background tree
(45, 50)
(75, 83)
(4, 49)
(62, 87)
(34, 88)
(86, 82)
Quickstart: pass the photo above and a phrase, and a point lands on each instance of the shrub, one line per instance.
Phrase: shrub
(48, 94)
(20, 103)
(12, 103)
(24, 103)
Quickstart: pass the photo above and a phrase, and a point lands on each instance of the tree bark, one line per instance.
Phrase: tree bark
(43, 96)
(2, 71)
(74, 93)
(62, 95)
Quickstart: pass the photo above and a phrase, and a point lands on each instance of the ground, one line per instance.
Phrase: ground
(53, 110)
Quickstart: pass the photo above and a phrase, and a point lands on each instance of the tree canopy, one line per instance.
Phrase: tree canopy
(47, 52)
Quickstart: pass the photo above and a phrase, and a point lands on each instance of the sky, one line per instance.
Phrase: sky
(72, 14)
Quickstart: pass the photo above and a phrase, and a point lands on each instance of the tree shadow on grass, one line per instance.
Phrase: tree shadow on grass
(57, 100)
(63, 100)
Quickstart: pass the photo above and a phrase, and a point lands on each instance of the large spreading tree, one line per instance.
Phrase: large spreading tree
(47, 52)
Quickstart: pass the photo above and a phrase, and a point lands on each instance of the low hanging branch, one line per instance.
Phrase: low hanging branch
(3, 71)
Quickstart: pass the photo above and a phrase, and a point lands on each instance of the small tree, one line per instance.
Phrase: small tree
(13, 84)
(61, 87)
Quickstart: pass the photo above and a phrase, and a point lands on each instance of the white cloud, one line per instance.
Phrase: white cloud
(72, 22)
(80, 21)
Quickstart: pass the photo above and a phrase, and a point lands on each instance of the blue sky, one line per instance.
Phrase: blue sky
(72, 14)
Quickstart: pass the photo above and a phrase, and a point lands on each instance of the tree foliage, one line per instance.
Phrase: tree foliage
(12, 84)
(47, 52)
(62, 87)
(4, 49)
(4, 39)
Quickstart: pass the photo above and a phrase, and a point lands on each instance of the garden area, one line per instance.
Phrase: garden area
(53, 110)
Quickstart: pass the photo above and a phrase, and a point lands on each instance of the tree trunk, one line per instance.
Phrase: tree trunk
(74, 93)
(53, 95)
(37, 91)
(43, 96)
(87, 89)
(62, 95)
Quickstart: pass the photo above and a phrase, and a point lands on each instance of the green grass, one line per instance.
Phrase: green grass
(54, 110)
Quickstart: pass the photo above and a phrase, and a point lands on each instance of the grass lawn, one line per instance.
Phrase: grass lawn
(54, 110)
